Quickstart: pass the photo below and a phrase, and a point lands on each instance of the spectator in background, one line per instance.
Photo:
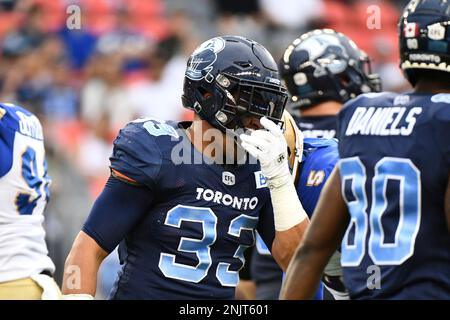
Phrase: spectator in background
(237, 7)
(60, 102)
(241, 18)
(79, 43)
(292, 14)
(28, 81)
(124, 37)
(357, 20)
(159, 95)
(104, 93)
(284, 21)
(29, 35)
(93, 155)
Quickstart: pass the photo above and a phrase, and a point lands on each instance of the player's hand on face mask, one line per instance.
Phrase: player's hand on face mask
(270, 148)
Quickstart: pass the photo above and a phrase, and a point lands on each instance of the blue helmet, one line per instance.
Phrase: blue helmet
(424, 33)
(231, 77)
(324, 65)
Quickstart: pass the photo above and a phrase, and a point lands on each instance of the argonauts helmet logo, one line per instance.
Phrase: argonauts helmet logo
(328, 51)
(201, 62)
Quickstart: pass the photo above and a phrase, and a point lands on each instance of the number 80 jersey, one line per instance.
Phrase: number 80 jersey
(23, 195)
(395, 163)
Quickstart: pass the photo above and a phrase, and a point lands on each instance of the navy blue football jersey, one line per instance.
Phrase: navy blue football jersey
(395, 160)
(190, 243)
(319, 158)
(317, 126)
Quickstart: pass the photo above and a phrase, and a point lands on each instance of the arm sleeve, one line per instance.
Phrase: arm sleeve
(266, 225)
(116, 211)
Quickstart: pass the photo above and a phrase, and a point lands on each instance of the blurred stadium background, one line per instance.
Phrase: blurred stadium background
(127, 60)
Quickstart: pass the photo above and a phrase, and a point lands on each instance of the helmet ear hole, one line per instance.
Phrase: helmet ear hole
(344, 79)
(203, 93)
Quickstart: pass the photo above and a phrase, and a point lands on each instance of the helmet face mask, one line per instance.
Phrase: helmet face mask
(237, 80)
(247, 98)
(424, 35)
(323, 65)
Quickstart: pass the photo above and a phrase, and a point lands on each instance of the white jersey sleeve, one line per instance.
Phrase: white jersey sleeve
(24, 194)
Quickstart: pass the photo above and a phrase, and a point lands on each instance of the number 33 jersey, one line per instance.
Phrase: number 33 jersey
(189, 244)
(23, 195)
(395, 161)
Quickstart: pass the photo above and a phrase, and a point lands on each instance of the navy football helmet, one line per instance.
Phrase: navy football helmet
(424, 33)
(230, 77)
(324, 65)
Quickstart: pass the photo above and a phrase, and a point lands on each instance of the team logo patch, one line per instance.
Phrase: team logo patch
(315, 178)
(228, 178)
(159, 128)
(201, 61)
(326, 49)
(260, 180)
(436, 32)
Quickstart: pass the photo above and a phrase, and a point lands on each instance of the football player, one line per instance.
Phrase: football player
(388, 201)
(25, 267)
(183, 226)
(322, 69)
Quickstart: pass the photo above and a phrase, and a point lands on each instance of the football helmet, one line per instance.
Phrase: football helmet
(424, 33)
(231, 77)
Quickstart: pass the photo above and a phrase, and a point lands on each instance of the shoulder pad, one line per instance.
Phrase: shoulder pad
(137, 153)
(16, 118)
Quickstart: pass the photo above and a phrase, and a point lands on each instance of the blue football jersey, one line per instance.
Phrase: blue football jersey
(190, 244)
(395, 160)
(319, 158)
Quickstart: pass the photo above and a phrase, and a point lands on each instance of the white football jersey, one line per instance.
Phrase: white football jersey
(23, 195)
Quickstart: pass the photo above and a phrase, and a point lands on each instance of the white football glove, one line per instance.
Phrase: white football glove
(270, 148)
